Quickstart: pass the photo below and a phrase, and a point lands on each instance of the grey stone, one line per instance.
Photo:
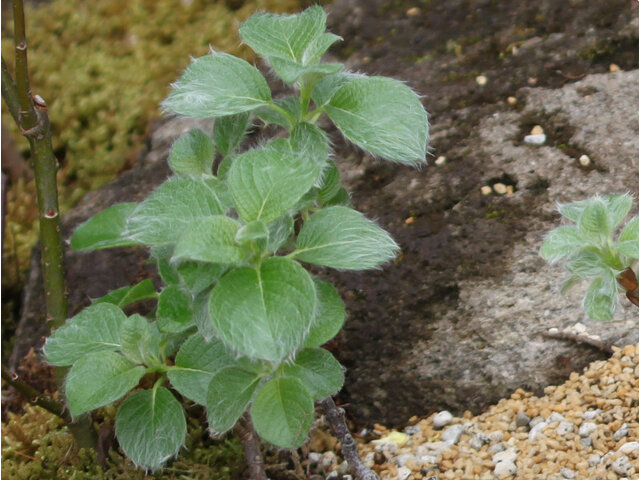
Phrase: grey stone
(522, 419)
(508, 455)
(477, 441)
(591, 414)
(538, 139)
(565, 428)
(535, 421)
(622, 432)
(412, 430)
(622, 466)
(496, 447)
(629, 447)
(452, 434)
(442, 419)
(593, 459)
(587, 428)
(555, 417)
(401, 460)
(403, 473)
(505, 468)
(536, 431)
(586, 442)
(568, 473)
(496, 436)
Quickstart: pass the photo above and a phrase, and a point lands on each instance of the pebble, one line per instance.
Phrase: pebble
(537, 130)
(315, 457)
(401, 460)
(412, 430)
(403, 473)
(500, 188)
(522, 419)
(496, 436)
(586, 442)
(505, 468)
(587, 428)
(481, 80)
(535, 139)
(536, 431)
(413, 12)
(555, 417)
(591, 414)
(564, 428)
(441, 160)
(496, 447)
(593, 459)
(452, 434)
(536, 420)
(512, 100)
(442, 419)
(568, 473)
(622, 432)
(478, 441)
(629, 447)
(622, 466)
(584, 160)
(614, 68)
(486, 190)
(509, 455)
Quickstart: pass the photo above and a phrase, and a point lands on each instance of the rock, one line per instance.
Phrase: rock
(593, 459)
(508, 455)
(565, 428)
(496, 447)
(505, 468)
(584, 160)
(535, 421)
(555, 417)
(536, 431)
(568, 473)
(622, 432)
(587, 428)
(328, 460)
(586, 442)
(452, 434)
(522, 420)
(314, 457)
(412, 430)
(622, 466)
(369, 459)
(429, 459)
(591, 414)
(536, 140)
(496, 436)
(442, 419)
(401, 460)
(629, 447)
(478, 440)
(432, 448)
(403, 473)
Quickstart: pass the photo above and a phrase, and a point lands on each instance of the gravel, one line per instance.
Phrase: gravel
(586, 428)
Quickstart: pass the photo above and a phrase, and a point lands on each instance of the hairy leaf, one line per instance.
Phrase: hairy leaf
(192, 154)
(340, 237)
(561, 242)
(151, 427)
(264, 313)
(138, 343)
(229, 131)
(94, 329)
(217, 85)
(98, 379)
(282, 412)
(329, 317)
(630, 231)
(174, 310)
(618, 207)
(104, 230)
(197, 276)
(230, 392)
(601, 298)
(594, 221)
(290, 104)
(318, 371)
(125, 296)
(211, 239)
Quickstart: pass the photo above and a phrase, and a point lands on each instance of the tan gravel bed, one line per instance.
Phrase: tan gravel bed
(586, 428)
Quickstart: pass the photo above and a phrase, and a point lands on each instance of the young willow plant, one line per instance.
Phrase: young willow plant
(242, 315)
(592, 252)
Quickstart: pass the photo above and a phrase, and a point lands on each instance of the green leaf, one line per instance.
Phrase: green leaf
(264, 313)
(125, 296)
(341, 198)
(196, 363)
(569, 283)
(265, 183)
(382, 116)
(330, 183)
(292, 37)
(601, 298)
(282, 412)
(340, 237)
(329, 317)
(201, 316)
(217, 85)
(561, 242)
(211, 239)
(310, 142)
(630, 231)
(290, 104)
(587, 264)
(290, 71)
(618, 207)
(174, 310)
(138, 343)
(162, 255)
(230, 392)
(256, 230)
(594, 221)
(192, 154)
(95, 329)
(573, 211)
(628, 249)
(318, 371)
(104, 230)
(98, 379)
(279, 232)
(197, 276)
(151, 427)
(229, 131)
(326, 87)
(164, 215)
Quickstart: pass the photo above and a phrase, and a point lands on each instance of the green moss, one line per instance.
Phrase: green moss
(37, 446)
(103, 67)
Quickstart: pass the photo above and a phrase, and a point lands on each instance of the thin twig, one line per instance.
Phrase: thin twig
(10, 93)
(335, 417)
(581, 339)
(249, 439)
(33, 395)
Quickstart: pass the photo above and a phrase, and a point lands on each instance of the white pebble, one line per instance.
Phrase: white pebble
(553, 330)
(593, 460)
(579, 327)
(512, 100)
(568, 473)
(496, 436)
(496, 447)
(401, 460)
(614, 68)
(509, 455)
(586, 442)
(622, 466)
(555, 417)
(481, 80)
(429, 459)
(442, 419)
(535, 139)
(591, 414)
(536, 420)
(478, 441)
(412, 430)
(486, 190)
(452, 434)
(314, 457)
(587, 428)
(500, 188)
(403, 473)
(505, 468)
(370, 459)
(622, 432)
(441, 160)
(432, 448)
(629, 447)
(328, 459)
(332, 475)
(564, 428)
(522, 419)
(584, 160)
(536, 431)
(343, 468)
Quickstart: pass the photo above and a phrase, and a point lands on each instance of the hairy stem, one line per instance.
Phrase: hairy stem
(335, 417)
(249, 439)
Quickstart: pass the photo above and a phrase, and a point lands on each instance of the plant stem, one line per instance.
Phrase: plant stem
(249, 439)
(33, 395)
(335, 417)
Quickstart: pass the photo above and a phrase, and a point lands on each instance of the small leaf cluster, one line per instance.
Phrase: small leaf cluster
(240, 321)
(591, 250)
